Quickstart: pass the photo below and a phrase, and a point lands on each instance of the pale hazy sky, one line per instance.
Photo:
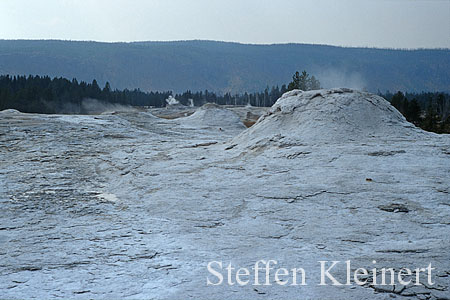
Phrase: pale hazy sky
(374, 23)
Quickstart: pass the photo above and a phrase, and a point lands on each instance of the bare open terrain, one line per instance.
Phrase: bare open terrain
(130, 205)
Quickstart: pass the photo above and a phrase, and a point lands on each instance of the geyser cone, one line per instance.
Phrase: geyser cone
(326, 116)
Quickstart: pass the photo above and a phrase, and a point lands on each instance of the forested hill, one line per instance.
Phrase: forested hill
(226, 67)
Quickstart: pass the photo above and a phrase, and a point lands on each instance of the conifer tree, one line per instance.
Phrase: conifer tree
(303, 82)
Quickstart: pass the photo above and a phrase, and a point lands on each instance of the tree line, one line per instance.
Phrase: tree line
(42, 94)
(429, 111)
(36, 94)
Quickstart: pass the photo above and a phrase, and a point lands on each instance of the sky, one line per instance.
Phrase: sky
(357, 23)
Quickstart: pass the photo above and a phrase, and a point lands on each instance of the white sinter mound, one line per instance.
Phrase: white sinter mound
(326, 116)
(212, 115)
(9, 112)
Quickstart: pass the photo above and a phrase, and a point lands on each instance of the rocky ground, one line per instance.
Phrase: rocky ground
(129, 205)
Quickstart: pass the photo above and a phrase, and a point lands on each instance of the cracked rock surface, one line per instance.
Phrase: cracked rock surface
(128, 205)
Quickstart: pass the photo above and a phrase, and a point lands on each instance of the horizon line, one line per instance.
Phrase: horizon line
(227, 42)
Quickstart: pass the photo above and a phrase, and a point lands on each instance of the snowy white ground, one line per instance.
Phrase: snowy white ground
(132, 206)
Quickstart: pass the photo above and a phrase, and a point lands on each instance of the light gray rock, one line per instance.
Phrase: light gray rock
(128, 205)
